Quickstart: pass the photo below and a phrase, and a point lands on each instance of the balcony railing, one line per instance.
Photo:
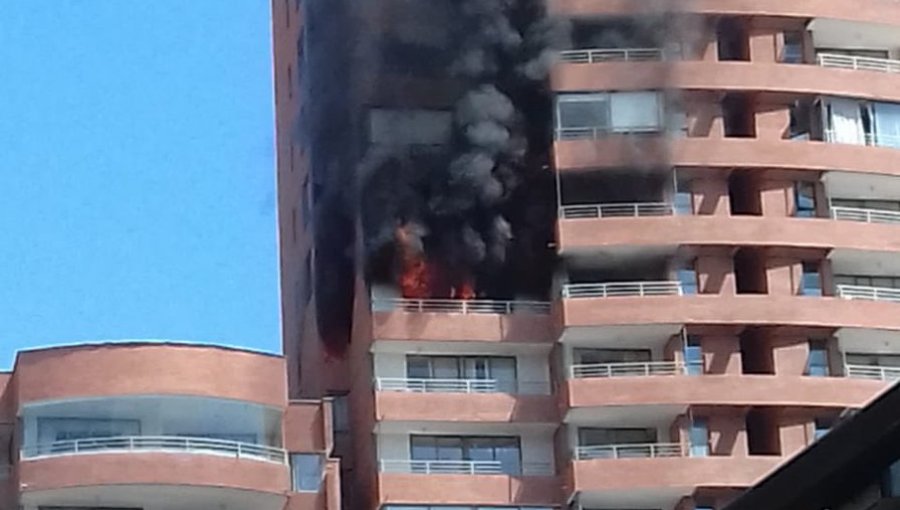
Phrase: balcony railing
(462, 467)
(629, 451)
(471, 306)
(624, 210)
(173, 444)
(591, 370)
(598, 132)
(461, 386)
(865, 215)
(621, 289)
(867, 293)
(872, 372)
(597, 55)
(882, 65)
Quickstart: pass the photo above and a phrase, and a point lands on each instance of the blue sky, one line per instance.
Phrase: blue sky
(136, 173)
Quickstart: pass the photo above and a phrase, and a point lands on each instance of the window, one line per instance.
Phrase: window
(693, 356)
(589, 436)
(52, 430)
(873, 360)
(887, 282)
(586, 115)
(498, 368)
(817, 362)
(822, 426)
(501, 449)
(699, 437)
(605, 356)
(306, 472)
(687, 277)
(890, 482)
(805, 199)
(684, 198)
(792, 52)
(811, 281)
(410, 128)
(878, 205)
(340, 413)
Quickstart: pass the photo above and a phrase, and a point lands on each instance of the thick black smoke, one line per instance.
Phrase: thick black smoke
(483, 208)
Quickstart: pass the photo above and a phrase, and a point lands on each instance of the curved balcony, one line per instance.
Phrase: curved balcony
(91, 371)
(58, 479)
(168, 444)
(592, 313)
(616, 152)
(463, 400)
(586, 234)
(874, 11)
(461, 320)
(775, 78)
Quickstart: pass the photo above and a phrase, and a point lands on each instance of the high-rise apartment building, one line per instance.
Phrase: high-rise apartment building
(160, 426)
(717, 279)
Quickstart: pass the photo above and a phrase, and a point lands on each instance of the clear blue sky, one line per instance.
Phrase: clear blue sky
(136, 172)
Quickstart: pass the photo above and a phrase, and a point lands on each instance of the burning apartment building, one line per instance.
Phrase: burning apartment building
(584, 253)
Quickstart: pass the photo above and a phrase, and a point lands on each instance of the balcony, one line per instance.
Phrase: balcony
(881, 65)
(460, 306)
(599, 55)
(866, 293)
(872, 372)
(461, 386)
(625, 210)
(648, 369)
(461, 467)
(167, 444)
(630, 451)
(865, 215)
(622, 289)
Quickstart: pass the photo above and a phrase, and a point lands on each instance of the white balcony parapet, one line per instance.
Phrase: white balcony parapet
(629, 451)
(864, 292)
(169, 444)
(461, 467)
(865, 215)
(872, 372)
(627, 369)
(623, 210)
(598, 132)
(460, 386)
(597, 55)
(463, 306)
(621, 289)
(882, 65)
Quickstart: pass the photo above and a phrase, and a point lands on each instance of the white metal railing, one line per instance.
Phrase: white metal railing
(413, 385)
(872, 372)
(864, 292)
(883, 65)
(461, 386)
(629, 451)
(470, 306)
(621, 289)
(630, 369)
(597, 132)
(462, 467)
(194, 445)
(865, 215)
(623, 210)
(596, 55)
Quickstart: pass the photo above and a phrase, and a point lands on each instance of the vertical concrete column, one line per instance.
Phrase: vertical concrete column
(678, 432)
(777, 197)
(722, 354)
(783, 276)
(763, 46)
(711, 196)
(704, 117)
(827, 271)
(789, 353)
(674, 349)
(728, 435)
(772, 121)
(715, 273)
(793, 430)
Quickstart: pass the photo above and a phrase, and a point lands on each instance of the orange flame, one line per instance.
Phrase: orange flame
(423, 278)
